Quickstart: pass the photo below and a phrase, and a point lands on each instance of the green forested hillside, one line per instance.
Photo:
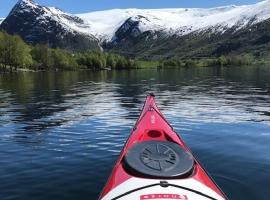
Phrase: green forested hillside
(15, 53)
(252, 40)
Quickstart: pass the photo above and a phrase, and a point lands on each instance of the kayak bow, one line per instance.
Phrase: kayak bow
(156, 164)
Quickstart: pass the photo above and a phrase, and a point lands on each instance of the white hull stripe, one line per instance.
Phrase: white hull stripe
(140, 189)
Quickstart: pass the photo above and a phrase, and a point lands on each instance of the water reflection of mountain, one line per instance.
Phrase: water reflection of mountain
(38, 101)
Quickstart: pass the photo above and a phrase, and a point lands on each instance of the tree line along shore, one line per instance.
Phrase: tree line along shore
(16, 54)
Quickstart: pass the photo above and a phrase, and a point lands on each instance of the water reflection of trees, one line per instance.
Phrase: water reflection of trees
(34, 97)
(38, 97)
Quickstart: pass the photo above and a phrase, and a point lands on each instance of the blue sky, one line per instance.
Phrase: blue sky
(80, 6)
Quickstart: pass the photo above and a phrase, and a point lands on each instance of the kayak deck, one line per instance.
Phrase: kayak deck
(156, 164)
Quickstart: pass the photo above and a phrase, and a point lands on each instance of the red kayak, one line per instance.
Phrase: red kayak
(156, 164)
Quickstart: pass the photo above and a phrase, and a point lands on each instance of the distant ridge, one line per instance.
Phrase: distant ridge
(150, 33)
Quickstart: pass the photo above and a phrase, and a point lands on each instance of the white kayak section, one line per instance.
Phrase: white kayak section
(141, 189)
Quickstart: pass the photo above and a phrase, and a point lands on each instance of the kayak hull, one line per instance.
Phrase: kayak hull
(125, 184)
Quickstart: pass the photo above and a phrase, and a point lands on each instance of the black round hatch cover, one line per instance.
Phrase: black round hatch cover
(159, 159)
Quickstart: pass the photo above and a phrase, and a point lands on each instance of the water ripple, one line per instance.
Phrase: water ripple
(62, 132)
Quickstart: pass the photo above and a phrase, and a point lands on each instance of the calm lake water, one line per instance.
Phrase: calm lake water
(60, 133)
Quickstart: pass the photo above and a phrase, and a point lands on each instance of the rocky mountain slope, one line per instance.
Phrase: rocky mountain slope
(193, 32)
(40, 24)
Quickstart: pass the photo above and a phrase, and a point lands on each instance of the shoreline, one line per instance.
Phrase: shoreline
(19, 70)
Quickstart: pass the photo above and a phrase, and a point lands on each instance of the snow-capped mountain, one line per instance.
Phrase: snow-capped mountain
(40, 24)
(147, 32)
(1, 20)
(193, 32)
(104, 24)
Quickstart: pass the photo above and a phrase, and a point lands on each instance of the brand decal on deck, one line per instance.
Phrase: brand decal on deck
(153, 119)
(163, 196)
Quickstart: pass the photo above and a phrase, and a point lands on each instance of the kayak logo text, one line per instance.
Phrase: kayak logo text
(163, 196)
(153, 119)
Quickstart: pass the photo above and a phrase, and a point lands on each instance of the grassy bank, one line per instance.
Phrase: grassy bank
(228, 60)
(146, 64)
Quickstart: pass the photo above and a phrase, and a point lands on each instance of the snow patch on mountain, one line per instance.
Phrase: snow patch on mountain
(181, 21)
(1, 20)
(69, 22)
